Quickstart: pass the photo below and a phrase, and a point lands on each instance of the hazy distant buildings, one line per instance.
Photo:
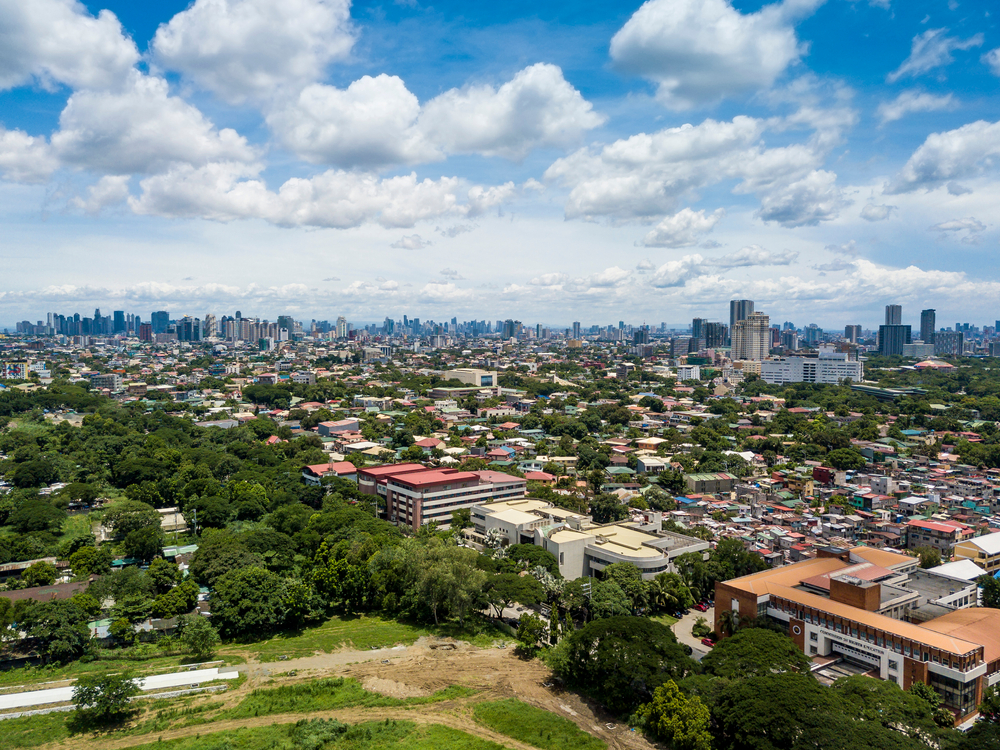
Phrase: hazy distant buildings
(160, 320)
(918, 351)
(739, 309)
(892, 338)
(715, 335)
(751, 336)
(949, 343)
(928, 323)
(698, 328)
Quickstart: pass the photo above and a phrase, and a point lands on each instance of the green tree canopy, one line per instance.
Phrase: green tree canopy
(105, 698)
(503, 589)
(126, 516)
(681, 721)
(753, 652)
(623, 660)
(248, 602)
(199, 636)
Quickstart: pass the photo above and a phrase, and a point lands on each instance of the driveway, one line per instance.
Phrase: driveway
(682, 629)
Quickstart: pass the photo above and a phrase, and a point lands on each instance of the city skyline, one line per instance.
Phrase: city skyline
(713, 333)
(596, 162)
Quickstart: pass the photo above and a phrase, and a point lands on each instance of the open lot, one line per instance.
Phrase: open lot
(435, 685)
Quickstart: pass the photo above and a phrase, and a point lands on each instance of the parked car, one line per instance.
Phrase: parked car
(701, 607)
(707, 642)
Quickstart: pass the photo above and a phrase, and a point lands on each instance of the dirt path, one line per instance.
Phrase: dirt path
(422, 668)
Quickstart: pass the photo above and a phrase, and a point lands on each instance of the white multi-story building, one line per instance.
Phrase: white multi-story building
(688, 372)
(827, 369)
(580, 547)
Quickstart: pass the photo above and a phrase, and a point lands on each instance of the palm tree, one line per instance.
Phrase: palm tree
(729, 621)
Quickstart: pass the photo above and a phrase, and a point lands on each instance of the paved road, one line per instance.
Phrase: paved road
(682, 629)
(155, 682)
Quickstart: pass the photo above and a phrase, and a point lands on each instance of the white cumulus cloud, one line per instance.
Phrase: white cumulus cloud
(952, 155)
(25, 158)
(141, 129)
(255, 49)
(227, 191)
(369, 124)
(683, 228)
(876, 211)
(537, 108)
(59, 41)
(378, 122)
(643, 176)
(805, 202)
(698, 51)
(110, 190)
(677, 272)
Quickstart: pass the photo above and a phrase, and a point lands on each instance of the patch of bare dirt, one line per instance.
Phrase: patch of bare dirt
(392, 688)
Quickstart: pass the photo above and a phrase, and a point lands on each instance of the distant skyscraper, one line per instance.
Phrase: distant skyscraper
(751, 337)
(893, 315)
(739, 309)
(928, 324)
(892, 337)
(576, 329)
(714, 335)
(341, 327)
(160, 320)
(852, 333)
(119, 321)
(698, 328)
(189, 329)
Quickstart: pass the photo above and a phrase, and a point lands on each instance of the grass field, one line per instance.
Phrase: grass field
(33, 731)
(534, 726)
(664, 620)
(364, 632)
(388, 735)
(326, 695)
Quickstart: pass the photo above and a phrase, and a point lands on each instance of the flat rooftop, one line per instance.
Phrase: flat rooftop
(526, 504)
(623, 540)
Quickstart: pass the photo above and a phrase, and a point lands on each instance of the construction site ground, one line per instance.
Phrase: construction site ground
(427, 666)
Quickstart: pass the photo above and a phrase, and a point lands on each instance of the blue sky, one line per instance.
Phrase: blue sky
(547, 161)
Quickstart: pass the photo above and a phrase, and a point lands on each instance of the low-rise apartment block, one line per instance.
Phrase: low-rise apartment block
(416, 495)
